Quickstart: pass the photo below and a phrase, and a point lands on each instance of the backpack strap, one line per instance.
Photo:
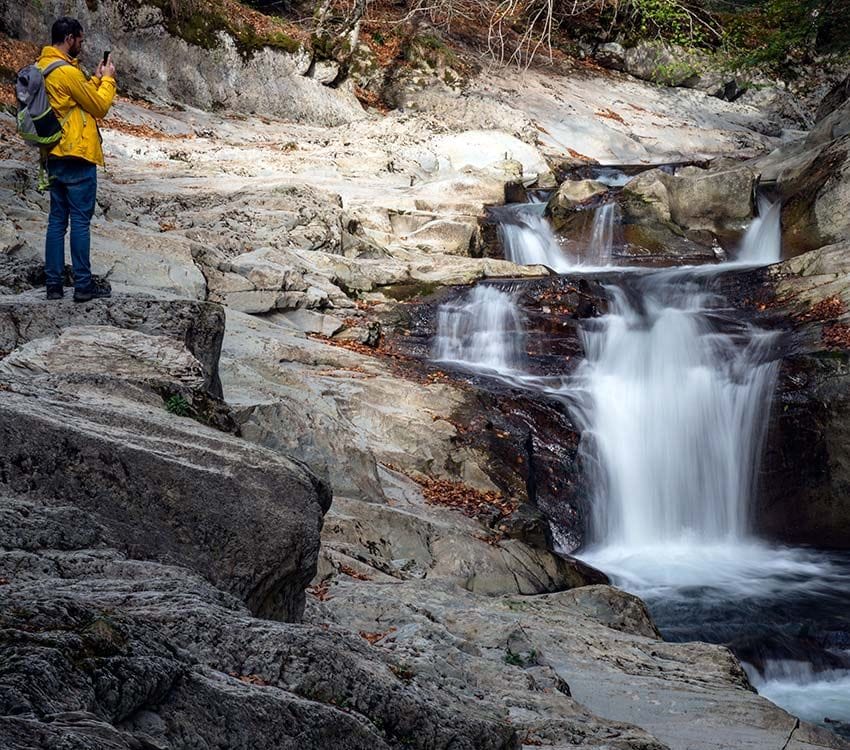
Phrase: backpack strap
(50, 68)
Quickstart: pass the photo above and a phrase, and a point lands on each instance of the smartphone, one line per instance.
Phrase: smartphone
(106, 56)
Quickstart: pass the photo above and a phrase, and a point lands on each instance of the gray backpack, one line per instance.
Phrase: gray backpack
(37, 122)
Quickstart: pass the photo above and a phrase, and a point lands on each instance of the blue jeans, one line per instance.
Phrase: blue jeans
(73, 188)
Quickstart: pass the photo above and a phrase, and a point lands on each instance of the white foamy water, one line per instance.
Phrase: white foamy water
(762, 242)
(673, 412)
(740, 568)
(794, 685)
(528, 239)
(605, 219)
(483, 330)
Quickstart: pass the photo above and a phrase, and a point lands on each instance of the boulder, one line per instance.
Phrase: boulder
(94, 350)
(718, 199)
(611, 55)
(197, 325)
(169, 488)
(816, 191)
(570, 194)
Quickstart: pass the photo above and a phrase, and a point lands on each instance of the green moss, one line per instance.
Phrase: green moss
(185, 21)
(412, 290)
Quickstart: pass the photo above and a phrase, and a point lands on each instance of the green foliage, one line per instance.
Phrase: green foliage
(667, 19)
(178, 406)
(780, 32)
(514, 659)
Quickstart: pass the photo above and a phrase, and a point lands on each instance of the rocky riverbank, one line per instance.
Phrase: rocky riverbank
(239, 511)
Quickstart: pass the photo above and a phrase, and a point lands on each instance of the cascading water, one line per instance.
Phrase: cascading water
(605, 219)
(484, 330)
(762, 242)
(672, 400)
(528, 239)
(673, 409)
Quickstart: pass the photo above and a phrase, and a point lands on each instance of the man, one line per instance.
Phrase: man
(72, 163)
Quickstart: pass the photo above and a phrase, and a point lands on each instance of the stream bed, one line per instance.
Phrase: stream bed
(672, 401)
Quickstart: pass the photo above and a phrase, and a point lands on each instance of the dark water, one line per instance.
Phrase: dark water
(784, 612)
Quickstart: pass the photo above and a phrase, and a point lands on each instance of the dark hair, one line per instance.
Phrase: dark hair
(64, 26)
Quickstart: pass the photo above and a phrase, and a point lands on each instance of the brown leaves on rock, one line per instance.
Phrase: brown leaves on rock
(836, 336)
(140, 131)
(320, 591)
(578, 155)
(469, 501)
(373, 638)
(610, 114)
(352, 573)
(371, 99)
(826, 309)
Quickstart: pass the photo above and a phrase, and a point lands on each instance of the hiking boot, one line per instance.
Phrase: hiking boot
(55, 291)
(97, 290)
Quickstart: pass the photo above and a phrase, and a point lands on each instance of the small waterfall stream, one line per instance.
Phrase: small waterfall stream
(605, 219)
(673, 410)
(763, 239)
(528, 239)
(672, 400)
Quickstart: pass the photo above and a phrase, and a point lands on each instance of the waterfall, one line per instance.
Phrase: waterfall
(484, 331)
(762, 243)
(672, 400)
(528, 239)
(605, 218)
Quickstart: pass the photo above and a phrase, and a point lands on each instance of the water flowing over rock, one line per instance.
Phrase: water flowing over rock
(484, 331)
(762, 242)
(672, 408)
(527, 237)
(605, 221)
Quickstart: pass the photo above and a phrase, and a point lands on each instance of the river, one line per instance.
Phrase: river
(672, 400)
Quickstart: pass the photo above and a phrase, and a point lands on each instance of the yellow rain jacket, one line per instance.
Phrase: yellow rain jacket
(81, 101)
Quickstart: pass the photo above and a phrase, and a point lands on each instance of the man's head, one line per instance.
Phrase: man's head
(67, 35)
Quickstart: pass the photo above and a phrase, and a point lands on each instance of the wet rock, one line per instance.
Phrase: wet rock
(806, 470)
(570, 194)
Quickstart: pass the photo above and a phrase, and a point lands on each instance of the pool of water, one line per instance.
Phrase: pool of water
(785, 612)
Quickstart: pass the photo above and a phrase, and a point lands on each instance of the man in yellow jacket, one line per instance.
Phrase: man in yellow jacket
(72, 162)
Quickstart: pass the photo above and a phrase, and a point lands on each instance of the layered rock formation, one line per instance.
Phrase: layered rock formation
(167, 464)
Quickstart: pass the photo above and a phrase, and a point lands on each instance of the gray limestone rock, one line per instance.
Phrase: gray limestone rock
(198, 325)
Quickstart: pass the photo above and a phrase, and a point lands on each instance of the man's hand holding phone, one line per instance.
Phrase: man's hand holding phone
(106, 68)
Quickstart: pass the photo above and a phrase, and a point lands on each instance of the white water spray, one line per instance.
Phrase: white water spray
(528, 239)
(484, 331)
(673, 411)
(762, 243)
(605, 219)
